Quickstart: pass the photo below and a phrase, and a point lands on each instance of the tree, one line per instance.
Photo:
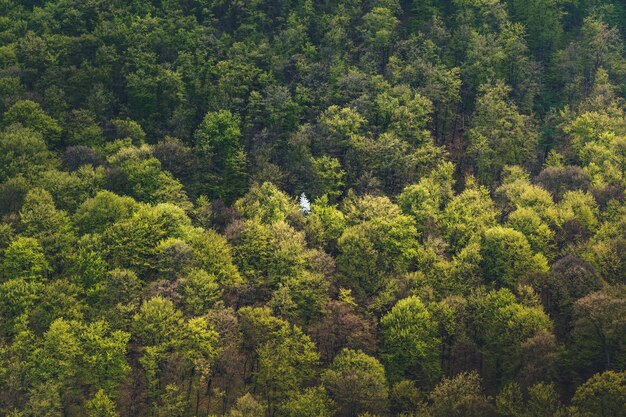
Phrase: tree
(81, 128)
(212, 253)
(570, 279)
(539, 235)
(325, 224)
(494, 49)
(426, 199)
(45, 400)
(247, 406)
(30, 115)
(380, 242)
(73, 354)
(312, 402)
(20, 296)
(197, 348)
(378, 31)
(328, 177)
(218, 143)
(391, 161)
(157, 322)
(338, 126)
(75, 157)
(599, 331)
(406, 114)
(129, 129)
(540, 356)
(257, 325)
(341, 327)
(506, 257)
(576, 205)
(177, 158)
(61, 300)
(199, 291)
(542, 400)
(606, 251)
(171, 402)
(560, 179)
(70, 189)
(96, 214)
(467, 215)
(101, 406)
(516, 192)
(597, 140)
(133, 242)
(140, 175)
(542, 19)
(499, 134)
(286, 361)
(309, 293)
(598, 47)
(268, 255)
(602, 395)
(294, 208)
(51, 227)
(404, 397)
(502, 325)
(23, 151)
(266, 204)
(357, 383)
(460, 396)
(104, 356)
(12, 194)
(169, 342)
(24, 258)
(176, 257)
(282, 112)
(116, 287)
(410, 342)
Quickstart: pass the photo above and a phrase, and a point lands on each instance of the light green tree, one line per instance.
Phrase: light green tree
(24, 258)
(507, 257)
(380, 241)
(30, 115)
(357, 383)
(500, 134)
(410, 342)
(312, 402)
(602, 395)
(468, 214)
(286, 361)
(100, 406)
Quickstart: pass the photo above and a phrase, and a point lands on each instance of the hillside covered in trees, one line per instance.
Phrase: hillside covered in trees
(312, 208)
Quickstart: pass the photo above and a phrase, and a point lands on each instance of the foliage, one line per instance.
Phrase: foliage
(410, 342)
(312, 208)
(356, 382)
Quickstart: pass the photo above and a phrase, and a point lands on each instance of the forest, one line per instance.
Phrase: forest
(312, 208)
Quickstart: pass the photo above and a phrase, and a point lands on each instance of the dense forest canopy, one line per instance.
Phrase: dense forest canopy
(299, 208)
